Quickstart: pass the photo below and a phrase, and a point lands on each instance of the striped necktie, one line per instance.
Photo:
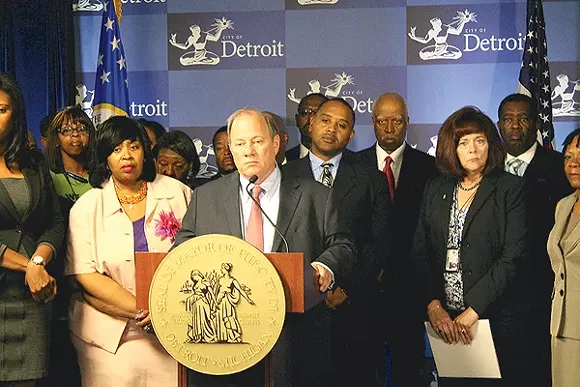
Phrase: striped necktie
(514, 166)
(326, 177)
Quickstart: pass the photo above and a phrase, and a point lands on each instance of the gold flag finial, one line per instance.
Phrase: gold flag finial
(118, 10)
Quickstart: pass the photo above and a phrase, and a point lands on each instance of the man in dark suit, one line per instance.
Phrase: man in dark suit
(306, 109)
(305, 214)
(409, 171)
(364, 206)
(543, 173)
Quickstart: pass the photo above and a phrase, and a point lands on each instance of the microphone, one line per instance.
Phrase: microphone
(253, 179)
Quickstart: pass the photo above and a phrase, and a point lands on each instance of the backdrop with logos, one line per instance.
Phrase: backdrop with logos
(192, 63)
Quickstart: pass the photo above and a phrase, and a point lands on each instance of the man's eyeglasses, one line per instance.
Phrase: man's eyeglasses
(68, 131)
(307, 112)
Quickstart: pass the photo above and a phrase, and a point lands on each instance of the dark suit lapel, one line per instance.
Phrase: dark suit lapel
(345, 180)
(289, 198)
(231, 200)
(487, 186)
(405, 178)
(303, 168)
(8, 204)
(368, 156)
(538, 168)
(32, 178)
(443, 207)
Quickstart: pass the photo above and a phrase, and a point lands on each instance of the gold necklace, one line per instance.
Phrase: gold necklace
(133, 198)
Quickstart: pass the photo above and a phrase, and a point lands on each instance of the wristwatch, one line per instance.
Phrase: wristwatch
(37, 260)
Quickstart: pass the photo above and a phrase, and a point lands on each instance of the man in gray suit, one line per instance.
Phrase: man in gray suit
(304, 213)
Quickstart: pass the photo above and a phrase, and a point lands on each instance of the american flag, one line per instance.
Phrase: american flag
(535, 72)
(111, 85)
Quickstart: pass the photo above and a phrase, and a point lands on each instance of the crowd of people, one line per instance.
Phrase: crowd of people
(487, 229)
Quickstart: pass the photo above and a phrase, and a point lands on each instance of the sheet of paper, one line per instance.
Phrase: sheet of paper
(476, 360)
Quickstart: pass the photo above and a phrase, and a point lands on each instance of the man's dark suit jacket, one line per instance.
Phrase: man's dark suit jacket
(417, 168)
(362, 197)
(42, 223)
(546, 184)
(293, 153)
(308, 219)
(494, 242)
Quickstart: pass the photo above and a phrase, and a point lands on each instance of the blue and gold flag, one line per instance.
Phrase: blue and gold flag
(111, 85)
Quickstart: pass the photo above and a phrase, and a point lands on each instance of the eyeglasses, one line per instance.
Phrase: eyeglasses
(307, 112)
(68, 131)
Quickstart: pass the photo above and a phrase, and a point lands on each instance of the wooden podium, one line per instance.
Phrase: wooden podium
(297, 278)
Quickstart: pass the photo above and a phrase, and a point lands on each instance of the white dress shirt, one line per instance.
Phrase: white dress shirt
(317, 168)
(303, 151)
(396, 155)
(526, 157)
(270, 202)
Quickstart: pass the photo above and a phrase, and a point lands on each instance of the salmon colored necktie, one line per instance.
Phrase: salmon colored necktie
(255, 228)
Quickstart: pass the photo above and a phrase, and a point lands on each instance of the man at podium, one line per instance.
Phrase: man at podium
(305, 219)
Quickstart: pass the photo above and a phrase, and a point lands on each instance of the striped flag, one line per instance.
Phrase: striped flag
(534, 78)
(111, 85)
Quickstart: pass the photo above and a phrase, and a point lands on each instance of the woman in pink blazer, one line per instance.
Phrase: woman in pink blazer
(131, 209)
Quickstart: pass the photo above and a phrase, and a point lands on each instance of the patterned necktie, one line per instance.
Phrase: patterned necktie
(255, 228)
(514, 165)
(390, 176)
(326, 177)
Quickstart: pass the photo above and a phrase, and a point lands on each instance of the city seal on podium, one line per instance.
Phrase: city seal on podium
(217, 304)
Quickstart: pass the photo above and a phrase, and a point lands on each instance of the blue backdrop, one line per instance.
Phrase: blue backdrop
(191, 63)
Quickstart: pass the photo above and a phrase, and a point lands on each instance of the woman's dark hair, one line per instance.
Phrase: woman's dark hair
(16, 152)
(110, 134)
(155, 126)
(180, 143)
(467, 120)
(570, 138)
(53, 151)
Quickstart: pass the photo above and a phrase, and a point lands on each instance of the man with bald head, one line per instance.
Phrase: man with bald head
(407, 171)
(307, 108)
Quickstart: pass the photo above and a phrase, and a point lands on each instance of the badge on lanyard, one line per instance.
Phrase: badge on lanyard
(452, 262)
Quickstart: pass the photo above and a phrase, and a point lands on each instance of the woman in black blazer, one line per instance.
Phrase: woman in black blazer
(469, 241)
(31, 232)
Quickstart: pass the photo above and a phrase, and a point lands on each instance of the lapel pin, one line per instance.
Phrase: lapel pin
(444, 196)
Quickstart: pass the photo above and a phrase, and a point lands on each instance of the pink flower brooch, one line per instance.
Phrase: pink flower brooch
(167, 226)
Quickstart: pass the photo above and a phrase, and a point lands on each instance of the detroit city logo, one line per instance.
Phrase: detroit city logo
(207, 47)
(341, 85)
(451, 39)
(98, 5)
(84, 98)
